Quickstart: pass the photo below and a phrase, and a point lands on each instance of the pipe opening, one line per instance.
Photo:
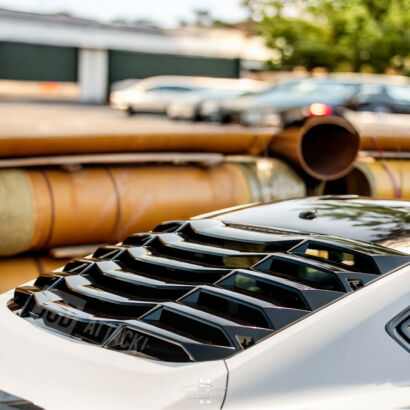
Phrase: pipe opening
(328, 150)
(355, 182)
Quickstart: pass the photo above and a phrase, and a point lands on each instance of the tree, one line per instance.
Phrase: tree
(330, 33)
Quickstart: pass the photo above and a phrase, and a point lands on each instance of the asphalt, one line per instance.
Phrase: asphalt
(47, 118)
(42, 119)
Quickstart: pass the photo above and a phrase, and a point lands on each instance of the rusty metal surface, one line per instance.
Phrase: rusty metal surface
(324, 147)
(378, 178)
(103, 204)
(205, 159)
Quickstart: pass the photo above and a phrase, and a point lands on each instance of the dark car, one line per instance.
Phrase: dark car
(381, 98)
(191, 107)
(293, 101)
(265, 108)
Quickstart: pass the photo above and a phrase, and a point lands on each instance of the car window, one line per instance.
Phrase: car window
(370, 90)
(226, 93)
(399, 93)
(308, 87)
(399, 329)
(311, 87)
(169, 89)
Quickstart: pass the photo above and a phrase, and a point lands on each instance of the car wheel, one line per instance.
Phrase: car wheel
(130, 111)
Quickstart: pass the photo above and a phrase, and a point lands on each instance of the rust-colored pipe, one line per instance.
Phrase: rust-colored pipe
(324, 147)
(43, 208)
(385, 179)
(376, 142)
(226, 141)
(385, 134)
(52, 207)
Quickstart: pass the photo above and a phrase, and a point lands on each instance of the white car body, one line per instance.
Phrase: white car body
(310, 371)
(155, 94)
(345, 354)
(190, 106)
(152, 95)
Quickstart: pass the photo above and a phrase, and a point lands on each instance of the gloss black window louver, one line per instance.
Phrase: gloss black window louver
(198, 290)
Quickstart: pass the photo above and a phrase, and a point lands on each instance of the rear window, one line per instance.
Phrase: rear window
(309, 87)
(170, 88)
(399, 93)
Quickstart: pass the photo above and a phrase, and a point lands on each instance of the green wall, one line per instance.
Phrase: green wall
(37, 62)
(51, 63)
(124, 64)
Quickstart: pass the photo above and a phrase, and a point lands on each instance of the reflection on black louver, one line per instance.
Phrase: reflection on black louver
(198, 290)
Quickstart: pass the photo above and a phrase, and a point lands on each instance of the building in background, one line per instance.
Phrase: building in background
(59, 48)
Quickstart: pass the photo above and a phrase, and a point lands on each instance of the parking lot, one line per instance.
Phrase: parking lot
(35, 119)
(48, 118)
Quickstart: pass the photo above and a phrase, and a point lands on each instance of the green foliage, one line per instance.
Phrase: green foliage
(335, 33)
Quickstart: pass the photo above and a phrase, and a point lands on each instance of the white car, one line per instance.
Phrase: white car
(190, 107)
(300, 304)
(156, 94)
(152, 95)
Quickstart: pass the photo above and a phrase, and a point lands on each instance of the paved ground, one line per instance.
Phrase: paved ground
(42, 118)
(22, 119)
(379, 124)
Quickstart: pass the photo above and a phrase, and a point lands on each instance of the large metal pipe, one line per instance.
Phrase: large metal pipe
(50, 207)
(374, 142)
(385, 132)
(324, 147)
(232, 140)
(383, 179)
(269, 178)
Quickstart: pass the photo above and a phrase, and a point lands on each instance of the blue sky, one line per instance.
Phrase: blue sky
(164, 12)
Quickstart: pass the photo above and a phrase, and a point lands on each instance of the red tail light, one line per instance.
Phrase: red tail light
(319, 110)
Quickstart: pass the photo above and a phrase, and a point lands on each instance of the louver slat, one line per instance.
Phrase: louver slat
(197, 290)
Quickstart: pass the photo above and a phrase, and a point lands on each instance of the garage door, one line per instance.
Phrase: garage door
(123, 64)
(37, 62)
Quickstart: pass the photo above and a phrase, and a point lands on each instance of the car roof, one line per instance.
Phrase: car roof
(381, 222)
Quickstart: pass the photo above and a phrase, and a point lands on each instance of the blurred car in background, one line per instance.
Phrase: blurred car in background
(372, 98)
(156, 94)
(277, 107)
(210, 109)
(381, 98)
(124, 84)
(190, 106)
(293, 101)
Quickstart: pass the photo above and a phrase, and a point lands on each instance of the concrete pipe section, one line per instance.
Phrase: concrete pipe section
(325, 148)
